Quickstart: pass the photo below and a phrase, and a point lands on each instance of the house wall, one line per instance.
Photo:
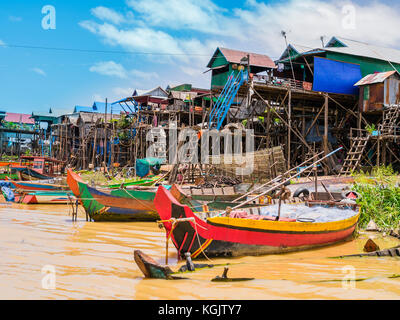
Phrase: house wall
(368, 65)
(375, 96)
(392, 90)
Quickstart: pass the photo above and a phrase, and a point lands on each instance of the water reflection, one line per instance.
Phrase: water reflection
(95, 261)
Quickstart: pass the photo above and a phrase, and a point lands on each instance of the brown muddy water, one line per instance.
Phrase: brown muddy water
(95, 261)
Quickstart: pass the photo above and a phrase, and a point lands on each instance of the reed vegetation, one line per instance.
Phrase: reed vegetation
(380, 197)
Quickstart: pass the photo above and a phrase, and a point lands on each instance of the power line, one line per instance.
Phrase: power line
(100, 51)
(5, 45)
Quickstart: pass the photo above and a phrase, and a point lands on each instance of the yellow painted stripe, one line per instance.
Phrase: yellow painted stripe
(202, 248)
(286, 226)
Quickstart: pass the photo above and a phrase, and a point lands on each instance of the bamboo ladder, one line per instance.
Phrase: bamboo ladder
(390, 117)
(357, 149)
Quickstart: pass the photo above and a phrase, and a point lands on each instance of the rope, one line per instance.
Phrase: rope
(176, 221)
(141, 201)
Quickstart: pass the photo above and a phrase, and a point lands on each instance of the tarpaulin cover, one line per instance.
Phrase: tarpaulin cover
(8, 194)
(335, 76)
(143, 166)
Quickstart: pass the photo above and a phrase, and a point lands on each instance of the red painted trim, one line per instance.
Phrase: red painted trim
(164, 200)
(183, 242)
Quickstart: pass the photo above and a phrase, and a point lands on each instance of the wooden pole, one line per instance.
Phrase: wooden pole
(289, 130)
(326, 129)
(278, 177)
(94, 145)
(283, 182)
(105, 138)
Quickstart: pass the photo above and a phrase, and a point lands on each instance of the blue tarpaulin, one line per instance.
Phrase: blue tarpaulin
(143, 166)
(8, 194)
(333, 76)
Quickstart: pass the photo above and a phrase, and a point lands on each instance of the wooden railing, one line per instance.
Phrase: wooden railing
(283, 82)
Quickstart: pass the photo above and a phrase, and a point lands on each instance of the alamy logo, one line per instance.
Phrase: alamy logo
(193, 147)
(49, 20)
(349, 18)
(49, 279)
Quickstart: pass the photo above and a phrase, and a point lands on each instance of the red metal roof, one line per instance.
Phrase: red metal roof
(375, 78)
(19, 117)
(258, 60)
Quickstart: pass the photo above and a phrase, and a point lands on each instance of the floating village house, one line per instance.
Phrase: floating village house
(225, 61)
(309, 100)
(379, 90)
(336, 67)
(314, 97)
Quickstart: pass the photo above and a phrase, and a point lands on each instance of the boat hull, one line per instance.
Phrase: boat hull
(117, 205)
(231, 237)
(47, 198)
(35, 186)
(27, 174)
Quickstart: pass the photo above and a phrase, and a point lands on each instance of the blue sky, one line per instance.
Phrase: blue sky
(182, 35)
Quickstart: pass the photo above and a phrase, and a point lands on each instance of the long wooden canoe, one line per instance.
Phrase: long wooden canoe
(140, 182)
(226, 236)
(133, 204)
(47, 198)
(114, 205)
(38, 186)
(28, 174)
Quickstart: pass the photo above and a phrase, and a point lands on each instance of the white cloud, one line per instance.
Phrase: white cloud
(98, 97)
(109, 68)
(107, 14)
(123, 92)
(113, 69)
(2, 43)
(185, 33)
(191, 71)
(199, 15)
(305, 21)
(39, 71)
(144, 40)
(144, 75)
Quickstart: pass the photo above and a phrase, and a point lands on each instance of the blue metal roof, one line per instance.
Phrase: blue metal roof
(83, 109)
(100, 107)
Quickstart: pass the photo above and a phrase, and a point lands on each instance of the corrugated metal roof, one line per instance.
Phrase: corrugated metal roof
(297, 50)
(19, 118)
(375, 78)
(100, 107)
(235, 56)
(366, 50)
(258, 60)
(83, 109)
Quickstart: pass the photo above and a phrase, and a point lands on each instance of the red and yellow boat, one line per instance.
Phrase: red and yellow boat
(222, 236)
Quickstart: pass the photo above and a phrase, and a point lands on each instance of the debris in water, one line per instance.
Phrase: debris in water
(224, 277)
(371, 246)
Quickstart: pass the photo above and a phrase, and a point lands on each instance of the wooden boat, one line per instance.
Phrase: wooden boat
(28, 174)
(38, 186)
(141, 182)
(151, 268)
(154, 270)
(47, 198)
(211, 194)
(200, 205)
(114, 205)
(226, 236)
(128, 205)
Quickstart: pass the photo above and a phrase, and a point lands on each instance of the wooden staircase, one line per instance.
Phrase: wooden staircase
(391, 116)
(354, 156)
